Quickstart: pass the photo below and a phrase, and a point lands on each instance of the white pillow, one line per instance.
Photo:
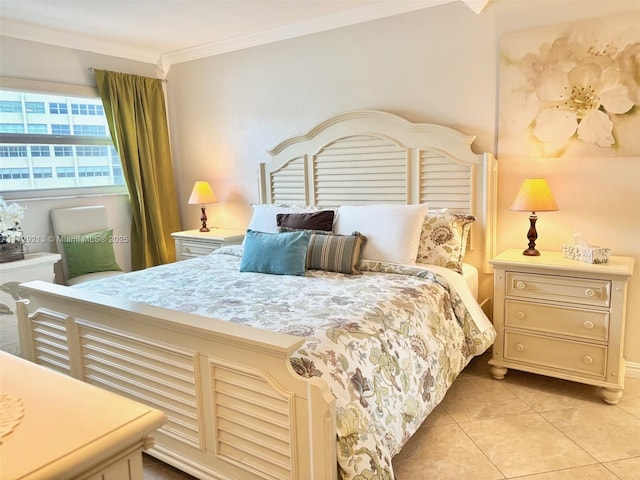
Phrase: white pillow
(264, 215)
(392, 231)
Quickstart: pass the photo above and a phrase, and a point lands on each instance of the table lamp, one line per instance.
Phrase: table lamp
(534, 196)
(202, 193)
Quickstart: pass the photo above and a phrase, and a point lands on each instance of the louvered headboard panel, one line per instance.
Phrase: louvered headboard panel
(368, 157)
(347, 170)
(288, 184)
(445, 184)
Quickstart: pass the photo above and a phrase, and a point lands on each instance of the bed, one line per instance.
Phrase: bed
(314, 376)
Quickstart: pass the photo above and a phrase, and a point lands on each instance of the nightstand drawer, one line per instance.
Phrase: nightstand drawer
(564, 289)
(564, 320)
(195, 249)
(551, 352)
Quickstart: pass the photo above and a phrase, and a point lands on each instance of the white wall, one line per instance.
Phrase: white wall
(36, 61)
(438, 65)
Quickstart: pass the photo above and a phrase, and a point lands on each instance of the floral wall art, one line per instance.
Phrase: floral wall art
(571, 90)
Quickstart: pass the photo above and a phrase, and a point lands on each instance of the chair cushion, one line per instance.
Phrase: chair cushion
(92, 276)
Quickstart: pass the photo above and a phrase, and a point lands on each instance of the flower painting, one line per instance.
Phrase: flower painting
(571, 90)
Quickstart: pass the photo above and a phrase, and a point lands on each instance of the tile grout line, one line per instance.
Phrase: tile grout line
(532, 410)
(457, 424)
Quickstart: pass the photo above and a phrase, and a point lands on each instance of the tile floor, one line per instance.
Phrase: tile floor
(526, 426)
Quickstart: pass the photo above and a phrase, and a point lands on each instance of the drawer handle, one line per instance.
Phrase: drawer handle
(590, 292)
(520, 285)
(520, 315)
(588, 360)
(187, 249)
(588, 324)
(519, 347)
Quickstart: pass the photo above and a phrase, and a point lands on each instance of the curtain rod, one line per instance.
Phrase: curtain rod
(163, 80)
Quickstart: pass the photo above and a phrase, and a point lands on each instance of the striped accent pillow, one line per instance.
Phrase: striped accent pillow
(335, 253)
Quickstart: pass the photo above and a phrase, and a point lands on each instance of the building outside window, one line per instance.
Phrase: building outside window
(13, 151)
(51, 141)
(10, 107)
(62, 151)
(44, 172)
(58, 108)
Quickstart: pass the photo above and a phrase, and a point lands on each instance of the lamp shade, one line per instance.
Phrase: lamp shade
(534, 196)
(202, 193)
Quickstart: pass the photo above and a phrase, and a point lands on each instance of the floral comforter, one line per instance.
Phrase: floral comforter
(389, 342)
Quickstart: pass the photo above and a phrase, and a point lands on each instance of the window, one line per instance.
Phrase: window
(90, 130)
(34, 107)
(55, 141)
(8, 106)
(40, 151)
(93, 171)
(92, 151)
(13, 173)
(42, 172)
(58, 108)
(64, 172)
(57, 129)
(13, 151)
(37, 128)
(86, 109)
(11, 128)
(60, 151)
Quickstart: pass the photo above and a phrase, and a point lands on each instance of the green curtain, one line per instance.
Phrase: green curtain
(136, 113)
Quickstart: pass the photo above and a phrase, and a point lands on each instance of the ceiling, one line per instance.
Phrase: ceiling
(164, 32)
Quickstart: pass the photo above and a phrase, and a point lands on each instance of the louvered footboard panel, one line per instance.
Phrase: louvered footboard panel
(160, 376)
(49, 332)
(235, 407)
(253, 422)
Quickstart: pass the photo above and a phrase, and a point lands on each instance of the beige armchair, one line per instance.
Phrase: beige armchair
(82, 239)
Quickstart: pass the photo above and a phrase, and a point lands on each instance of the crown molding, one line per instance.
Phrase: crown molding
(164, 60)
(320, 24)
(476, 5)
(60, 38)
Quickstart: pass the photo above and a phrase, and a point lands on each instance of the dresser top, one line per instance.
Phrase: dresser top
(29, 260)
(617, 265)
(67, 424)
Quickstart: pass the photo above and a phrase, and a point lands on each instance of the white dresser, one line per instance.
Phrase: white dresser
(35, 266)
(194, 243)
(561, 318)
(70, 429)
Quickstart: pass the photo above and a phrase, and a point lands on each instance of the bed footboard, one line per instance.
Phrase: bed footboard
(236, 408)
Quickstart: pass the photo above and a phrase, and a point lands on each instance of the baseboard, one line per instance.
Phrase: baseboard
(633, 369)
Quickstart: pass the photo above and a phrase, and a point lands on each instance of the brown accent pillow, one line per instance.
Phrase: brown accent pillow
(322, 220)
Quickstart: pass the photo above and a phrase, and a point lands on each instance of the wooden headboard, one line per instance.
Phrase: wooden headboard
(371, 157)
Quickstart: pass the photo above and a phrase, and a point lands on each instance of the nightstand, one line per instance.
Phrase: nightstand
(194, 243)
(34, 266)
(561, 318)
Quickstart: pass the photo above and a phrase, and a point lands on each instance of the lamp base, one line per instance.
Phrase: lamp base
(203, 219)
(532, 235)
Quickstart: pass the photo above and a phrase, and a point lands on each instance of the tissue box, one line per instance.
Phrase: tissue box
(586, 254)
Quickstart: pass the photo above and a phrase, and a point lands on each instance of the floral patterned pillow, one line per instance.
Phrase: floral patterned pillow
(443, 240)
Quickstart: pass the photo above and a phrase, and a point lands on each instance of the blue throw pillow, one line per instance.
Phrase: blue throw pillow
(277, 253)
